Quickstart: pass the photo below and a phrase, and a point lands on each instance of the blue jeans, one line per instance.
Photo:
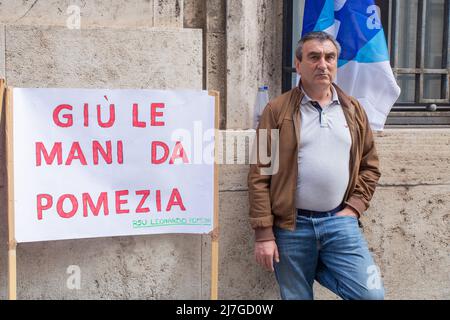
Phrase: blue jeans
(331, 250)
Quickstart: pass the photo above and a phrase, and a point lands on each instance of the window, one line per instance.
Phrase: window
(418, 40)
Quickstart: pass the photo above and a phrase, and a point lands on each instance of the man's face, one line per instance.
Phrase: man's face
(319, 63)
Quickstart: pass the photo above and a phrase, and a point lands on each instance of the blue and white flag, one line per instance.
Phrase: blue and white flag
(364, 71)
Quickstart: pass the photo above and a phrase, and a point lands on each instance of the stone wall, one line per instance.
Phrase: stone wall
(232, 46)
(109, 51)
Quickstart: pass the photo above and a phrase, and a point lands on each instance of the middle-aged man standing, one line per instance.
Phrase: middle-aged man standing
(306, 215)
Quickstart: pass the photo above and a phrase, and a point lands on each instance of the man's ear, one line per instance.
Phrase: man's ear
(297, 65)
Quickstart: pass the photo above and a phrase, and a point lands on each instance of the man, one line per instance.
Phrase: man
(306, 215)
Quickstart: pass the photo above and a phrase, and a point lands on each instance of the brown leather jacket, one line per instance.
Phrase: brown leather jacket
(272, 197)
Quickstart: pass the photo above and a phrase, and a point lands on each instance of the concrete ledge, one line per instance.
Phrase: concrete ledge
(414, 156)
(408, 157)
(131, 13)
(99, 58)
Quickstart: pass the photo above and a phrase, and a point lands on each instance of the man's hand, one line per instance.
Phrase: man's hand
(348, 211)
(265, 253)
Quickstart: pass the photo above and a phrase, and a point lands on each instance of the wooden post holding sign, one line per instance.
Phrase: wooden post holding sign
(164, 143)
(2, 96)
(215, 232)
(6, 95)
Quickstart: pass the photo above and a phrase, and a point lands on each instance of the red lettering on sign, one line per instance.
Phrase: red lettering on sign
(56, 152)
(119, 152)
(76, 153)
(158, 200)
(120, 202)
(112, 116)
(86, 114)
(107, 155)
(68, 117)
(155, 114)
(98, 150)
(60, 208)
(67, 205)
(40, 206)
(136, 122)
(95, 209)
(178, 152)
(144, 194)
(156, 144)
(175, 200)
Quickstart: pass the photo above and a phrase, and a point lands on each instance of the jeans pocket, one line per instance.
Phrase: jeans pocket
(346, 222)
(349, 217)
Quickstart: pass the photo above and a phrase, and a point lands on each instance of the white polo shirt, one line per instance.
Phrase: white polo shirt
(324, 155)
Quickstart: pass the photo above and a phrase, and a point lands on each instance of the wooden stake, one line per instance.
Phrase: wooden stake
(215, 232)
(2, 95)
(12, 269)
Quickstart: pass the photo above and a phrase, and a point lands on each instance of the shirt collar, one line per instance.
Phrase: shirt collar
(306, 98)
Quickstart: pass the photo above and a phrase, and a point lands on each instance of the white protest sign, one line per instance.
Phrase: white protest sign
(96, 163)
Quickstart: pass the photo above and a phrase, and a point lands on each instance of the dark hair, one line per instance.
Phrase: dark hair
(315, 35)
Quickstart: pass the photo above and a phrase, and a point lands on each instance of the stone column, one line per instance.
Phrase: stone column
(254, 55)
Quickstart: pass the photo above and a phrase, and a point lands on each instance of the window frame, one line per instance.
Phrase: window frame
(417, 113)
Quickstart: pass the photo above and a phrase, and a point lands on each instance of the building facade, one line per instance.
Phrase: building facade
(232, 46)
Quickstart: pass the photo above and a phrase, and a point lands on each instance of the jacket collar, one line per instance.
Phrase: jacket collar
(346, 102)
(344, 99)
(307, 99)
